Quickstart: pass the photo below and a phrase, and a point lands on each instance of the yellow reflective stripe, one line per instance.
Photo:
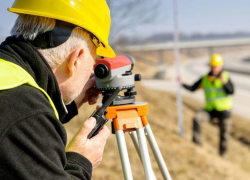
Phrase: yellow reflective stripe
(209, 99)
(211, 90)
(13, 76)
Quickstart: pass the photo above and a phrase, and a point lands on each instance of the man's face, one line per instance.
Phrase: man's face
(81, 77)
(216, 70)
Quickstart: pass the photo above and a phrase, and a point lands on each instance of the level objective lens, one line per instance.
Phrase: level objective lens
(101, 71)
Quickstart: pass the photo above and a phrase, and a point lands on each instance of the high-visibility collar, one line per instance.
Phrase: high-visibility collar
(13, 76)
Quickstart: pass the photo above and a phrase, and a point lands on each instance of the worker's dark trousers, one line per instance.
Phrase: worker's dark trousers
(224, 123)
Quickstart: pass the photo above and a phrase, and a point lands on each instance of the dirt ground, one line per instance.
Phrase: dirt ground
(185, 160)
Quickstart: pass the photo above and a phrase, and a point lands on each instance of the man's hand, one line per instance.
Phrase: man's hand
(222, 79)
(92, 148)
(89, 93)
(179, 79)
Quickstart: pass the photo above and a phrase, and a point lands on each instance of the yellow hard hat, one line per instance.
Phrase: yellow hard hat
(92, 15)
(216, 60)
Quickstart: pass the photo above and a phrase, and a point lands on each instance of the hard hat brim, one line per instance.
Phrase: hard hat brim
(215, 65)
(106, 51)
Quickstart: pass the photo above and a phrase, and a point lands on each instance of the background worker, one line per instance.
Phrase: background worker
(45, 76)
(217, 88)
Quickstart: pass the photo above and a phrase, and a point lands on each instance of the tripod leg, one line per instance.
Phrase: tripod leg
(157, 153)
(144, 154)
(124, 155)
(135, 142)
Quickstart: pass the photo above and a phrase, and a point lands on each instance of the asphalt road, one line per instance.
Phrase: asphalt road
(192, 70)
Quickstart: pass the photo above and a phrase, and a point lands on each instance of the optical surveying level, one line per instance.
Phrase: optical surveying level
(113, 76)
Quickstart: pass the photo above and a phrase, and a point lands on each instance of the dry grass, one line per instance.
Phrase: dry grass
(185, 160)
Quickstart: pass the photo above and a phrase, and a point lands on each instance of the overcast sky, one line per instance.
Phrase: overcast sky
(194, 16)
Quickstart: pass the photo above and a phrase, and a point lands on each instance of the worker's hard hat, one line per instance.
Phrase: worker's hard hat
(92, 15)
(216, 60)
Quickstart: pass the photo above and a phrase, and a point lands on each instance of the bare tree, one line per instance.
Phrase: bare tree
(126, 14)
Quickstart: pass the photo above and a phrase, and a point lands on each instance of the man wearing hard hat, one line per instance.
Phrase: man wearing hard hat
(217, 88)
(45, 76)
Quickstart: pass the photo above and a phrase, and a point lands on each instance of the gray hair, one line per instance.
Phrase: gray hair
(29, 26)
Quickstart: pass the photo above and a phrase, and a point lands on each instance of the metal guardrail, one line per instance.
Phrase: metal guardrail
(186, 45)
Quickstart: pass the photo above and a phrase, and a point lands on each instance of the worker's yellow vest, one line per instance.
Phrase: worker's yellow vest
(216, 97)
(12, 76)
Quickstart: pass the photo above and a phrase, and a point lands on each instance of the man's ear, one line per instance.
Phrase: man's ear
(74, 60)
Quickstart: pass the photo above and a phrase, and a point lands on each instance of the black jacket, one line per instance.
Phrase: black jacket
(32, 140)
(228, 87)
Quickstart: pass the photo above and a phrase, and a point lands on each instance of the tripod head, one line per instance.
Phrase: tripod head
(111, 73)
